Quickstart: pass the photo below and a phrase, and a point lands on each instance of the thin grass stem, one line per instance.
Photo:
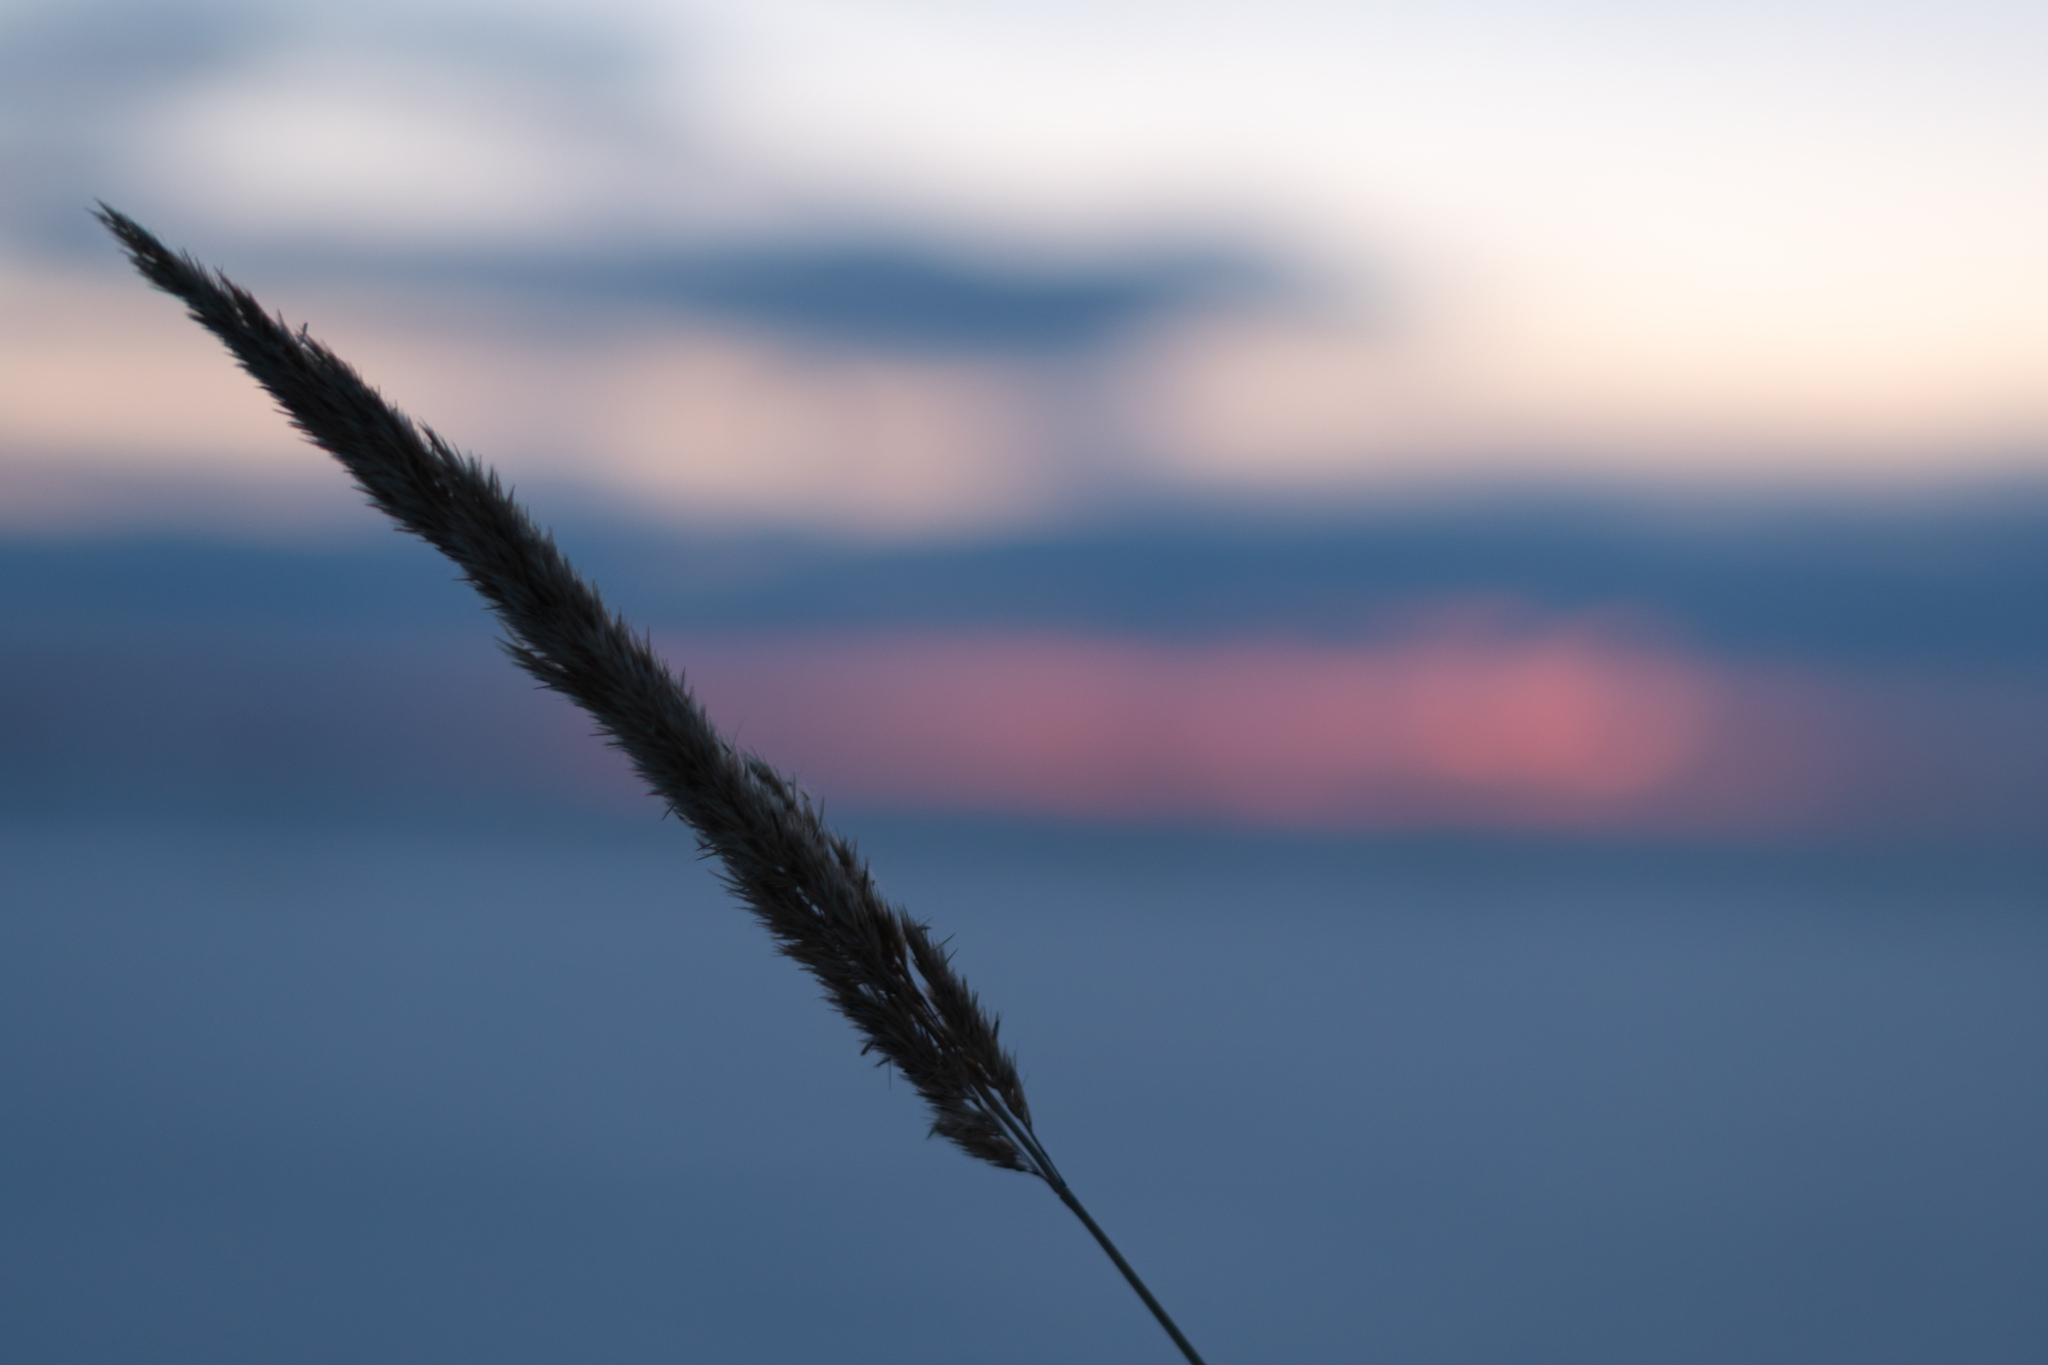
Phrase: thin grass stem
(1049, 1173)
(1067, 1197)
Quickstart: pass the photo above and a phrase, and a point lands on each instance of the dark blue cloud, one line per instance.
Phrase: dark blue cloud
(898, 295)
(858, 292)
(1946, 582)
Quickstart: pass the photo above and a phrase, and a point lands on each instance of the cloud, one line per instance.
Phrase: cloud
(1562, 729)
(1654, 682)
(860, 290)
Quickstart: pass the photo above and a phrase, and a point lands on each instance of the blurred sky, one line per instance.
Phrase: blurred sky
(1680, 289)
(899, 267)
(1448, 601)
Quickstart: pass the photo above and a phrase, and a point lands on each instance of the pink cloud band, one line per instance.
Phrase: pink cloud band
(1562, 727)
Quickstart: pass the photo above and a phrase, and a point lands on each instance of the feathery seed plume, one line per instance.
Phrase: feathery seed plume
(808, 887)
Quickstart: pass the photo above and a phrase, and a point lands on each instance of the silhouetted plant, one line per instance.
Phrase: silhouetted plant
(806, 885)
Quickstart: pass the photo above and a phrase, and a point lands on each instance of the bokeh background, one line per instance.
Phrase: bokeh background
(1447, 606)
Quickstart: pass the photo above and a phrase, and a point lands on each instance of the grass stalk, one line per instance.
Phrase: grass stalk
(807, 886)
